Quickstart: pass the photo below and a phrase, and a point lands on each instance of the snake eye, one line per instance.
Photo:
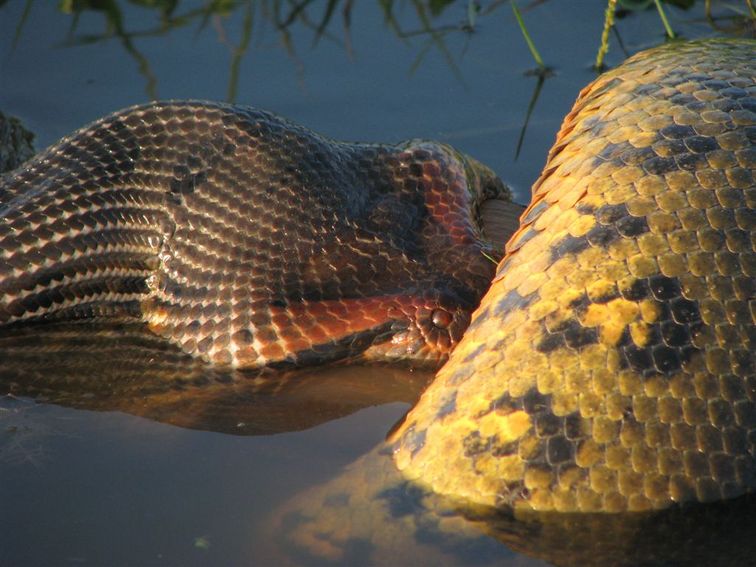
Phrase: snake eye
(441, 318)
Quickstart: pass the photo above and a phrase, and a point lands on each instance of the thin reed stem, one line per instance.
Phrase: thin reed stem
(528, 40)
(608, 24)
(663, 16)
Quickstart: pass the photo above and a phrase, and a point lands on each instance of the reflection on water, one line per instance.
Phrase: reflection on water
(370, 514)
(164, 461)
(121, 366)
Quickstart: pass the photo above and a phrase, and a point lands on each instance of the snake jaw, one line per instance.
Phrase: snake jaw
(424, 331)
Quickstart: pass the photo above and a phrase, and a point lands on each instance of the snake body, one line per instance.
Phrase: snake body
(610, 366)
(245, 239)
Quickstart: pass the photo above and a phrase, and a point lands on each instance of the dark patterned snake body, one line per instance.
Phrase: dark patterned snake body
(245, 239)
(610, 366)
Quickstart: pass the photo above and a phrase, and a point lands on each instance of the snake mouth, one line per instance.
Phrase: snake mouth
(423, 334)
(483, 185)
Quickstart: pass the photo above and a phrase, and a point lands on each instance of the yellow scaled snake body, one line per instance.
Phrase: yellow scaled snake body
(610, 366)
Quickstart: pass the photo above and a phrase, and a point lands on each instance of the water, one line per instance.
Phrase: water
(113, 488)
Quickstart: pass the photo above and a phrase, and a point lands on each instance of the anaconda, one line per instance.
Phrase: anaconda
(609, 368)
(247, 240)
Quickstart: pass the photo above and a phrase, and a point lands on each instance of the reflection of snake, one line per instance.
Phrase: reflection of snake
(608, 369)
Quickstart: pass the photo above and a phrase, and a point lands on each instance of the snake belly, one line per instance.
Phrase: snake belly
(610, 367)
(247, 240)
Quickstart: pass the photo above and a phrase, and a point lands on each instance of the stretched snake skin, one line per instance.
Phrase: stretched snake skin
(610, 366)
(247, 240)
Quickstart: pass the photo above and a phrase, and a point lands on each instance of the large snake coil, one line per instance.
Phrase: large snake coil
(610, 366)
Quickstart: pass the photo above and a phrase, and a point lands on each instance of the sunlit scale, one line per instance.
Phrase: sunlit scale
(247, 240)
(610, 367)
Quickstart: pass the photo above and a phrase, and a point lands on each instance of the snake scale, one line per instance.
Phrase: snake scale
(247, 240)
(609, 367)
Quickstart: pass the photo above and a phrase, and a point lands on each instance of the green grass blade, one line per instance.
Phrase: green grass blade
(663, 16)
(526, 35)
(608, 24)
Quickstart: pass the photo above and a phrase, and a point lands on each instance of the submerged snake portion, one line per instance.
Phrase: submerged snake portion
(245, 239)
(611, 367)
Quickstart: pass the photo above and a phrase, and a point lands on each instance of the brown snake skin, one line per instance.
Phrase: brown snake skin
(247, 240)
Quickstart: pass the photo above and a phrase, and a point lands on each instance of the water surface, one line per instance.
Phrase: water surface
(98, 487)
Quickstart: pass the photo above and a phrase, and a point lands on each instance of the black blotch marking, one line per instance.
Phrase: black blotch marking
(630, 226)
(613, 293)
(504, 404)
(660, 165)
(474, 354)
(414, 440)
(505, 449)
(701, 144)
(550, 342)
(512, 301)
(638, 290)
(609, 214)
(573, 427)
(665, 359)
(580, 304)
(602, 235)
(559, 450)
(404, 499)
(448, 407)
(667, 340)
(612, 151)
(674, 335)
(547, 425)
(691, 162)
(568, 245)
(663, 287)
(535, 403)
(677, 132)
(474, 444)
(685, 311)
(570, 333)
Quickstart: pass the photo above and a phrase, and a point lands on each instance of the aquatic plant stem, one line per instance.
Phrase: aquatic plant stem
(608, 24)
(663, 16)
(526, 35)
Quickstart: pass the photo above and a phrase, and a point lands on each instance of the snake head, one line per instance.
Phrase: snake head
(482, 183)
(423, 332)
(446, 264)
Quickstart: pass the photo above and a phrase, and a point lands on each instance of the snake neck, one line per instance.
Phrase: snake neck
(245, 239)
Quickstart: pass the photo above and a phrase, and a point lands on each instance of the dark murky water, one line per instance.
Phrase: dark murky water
(108, 488)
